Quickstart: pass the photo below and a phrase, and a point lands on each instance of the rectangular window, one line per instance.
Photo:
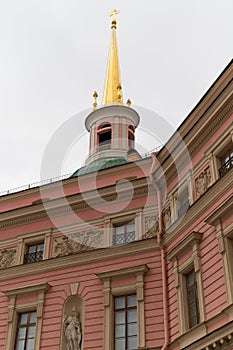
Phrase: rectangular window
(226, 162)
(124, 234)
(192, 299)
(34, 253)
(26, 331)
(125, 322)
(182, 203)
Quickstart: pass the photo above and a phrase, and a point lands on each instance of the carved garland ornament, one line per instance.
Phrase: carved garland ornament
(7, 258)
(167, 217)
(202, 182)
(151, 226)
(77, 243)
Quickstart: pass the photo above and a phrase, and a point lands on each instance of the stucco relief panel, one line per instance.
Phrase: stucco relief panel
(202, 182)
(7, 258)
(77, 242)
(151, 226)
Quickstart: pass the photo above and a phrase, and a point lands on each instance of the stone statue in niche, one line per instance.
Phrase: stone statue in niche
(72, 330)
(7, 258)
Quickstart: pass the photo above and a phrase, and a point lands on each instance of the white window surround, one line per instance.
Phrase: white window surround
(14, 308)
(185, 186)
(225, 243)
(109, 292)
(30, 239)
(216, 149)
(191, 242)
(122, 218)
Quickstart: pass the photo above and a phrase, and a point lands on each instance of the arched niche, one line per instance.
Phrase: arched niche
(72, 302)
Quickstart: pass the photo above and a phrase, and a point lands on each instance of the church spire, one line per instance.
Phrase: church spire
(112, 89)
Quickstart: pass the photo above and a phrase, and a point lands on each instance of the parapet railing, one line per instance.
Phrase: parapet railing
(57, 178)
(35, 184)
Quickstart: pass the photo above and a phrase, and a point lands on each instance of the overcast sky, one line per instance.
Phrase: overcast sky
(54, 55)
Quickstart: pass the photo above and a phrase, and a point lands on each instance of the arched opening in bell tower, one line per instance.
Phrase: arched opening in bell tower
(104, 134)
(130, 136)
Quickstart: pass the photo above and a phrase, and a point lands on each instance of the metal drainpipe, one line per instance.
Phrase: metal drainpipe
(161, 246)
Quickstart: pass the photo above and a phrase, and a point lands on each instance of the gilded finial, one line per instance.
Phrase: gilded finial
(119, 95)
(112, 92)
(95, 95)
(128, 102)
(114, 13)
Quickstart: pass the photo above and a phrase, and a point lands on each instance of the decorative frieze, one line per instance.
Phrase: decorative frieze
(202, 182)
(77, 242)
(7, 258)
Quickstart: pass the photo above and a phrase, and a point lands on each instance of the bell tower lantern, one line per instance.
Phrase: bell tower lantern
(111, 125)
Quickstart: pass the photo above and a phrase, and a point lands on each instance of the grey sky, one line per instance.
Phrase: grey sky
(54, 54)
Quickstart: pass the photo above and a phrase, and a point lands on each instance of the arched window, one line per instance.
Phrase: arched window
(104, 133)
(131, 136)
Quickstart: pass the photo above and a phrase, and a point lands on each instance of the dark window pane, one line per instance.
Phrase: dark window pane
(32, 249)
(21, 333)
(132, 343)
(120, 230)
(40, 247)
(126, 322)
(26, 331)
(120, 303)
(132, 329)
(24, 318)
(120, 317)
(132, 315)
(124, 234)
(120, 344)
(20, 345)
(120, 331)
(34, 253)
(132, 300)
(31, 331)
(192, 299)
(30, 344)
(33, 317)
(130, 227)
(190, 279)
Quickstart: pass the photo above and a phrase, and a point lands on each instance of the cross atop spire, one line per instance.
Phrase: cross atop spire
(112, 89)
(114, 13)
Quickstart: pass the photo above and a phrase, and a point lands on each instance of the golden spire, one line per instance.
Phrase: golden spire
(112, 89)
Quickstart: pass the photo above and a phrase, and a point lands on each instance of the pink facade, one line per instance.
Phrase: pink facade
(170, 248)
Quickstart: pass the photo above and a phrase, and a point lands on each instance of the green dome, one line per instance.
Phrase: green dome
(99, 164)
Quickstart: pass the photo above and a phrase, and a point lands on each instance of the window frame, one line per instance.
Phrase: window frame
(124, 309)
(109, 292)
(25, 325)
(189, 289)
(120, 218)
(30, 239)
(35, 256)
(181, 269)
(185, 186)
(125, 232)
(217, 150)
(14, 309)
(225, 236)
